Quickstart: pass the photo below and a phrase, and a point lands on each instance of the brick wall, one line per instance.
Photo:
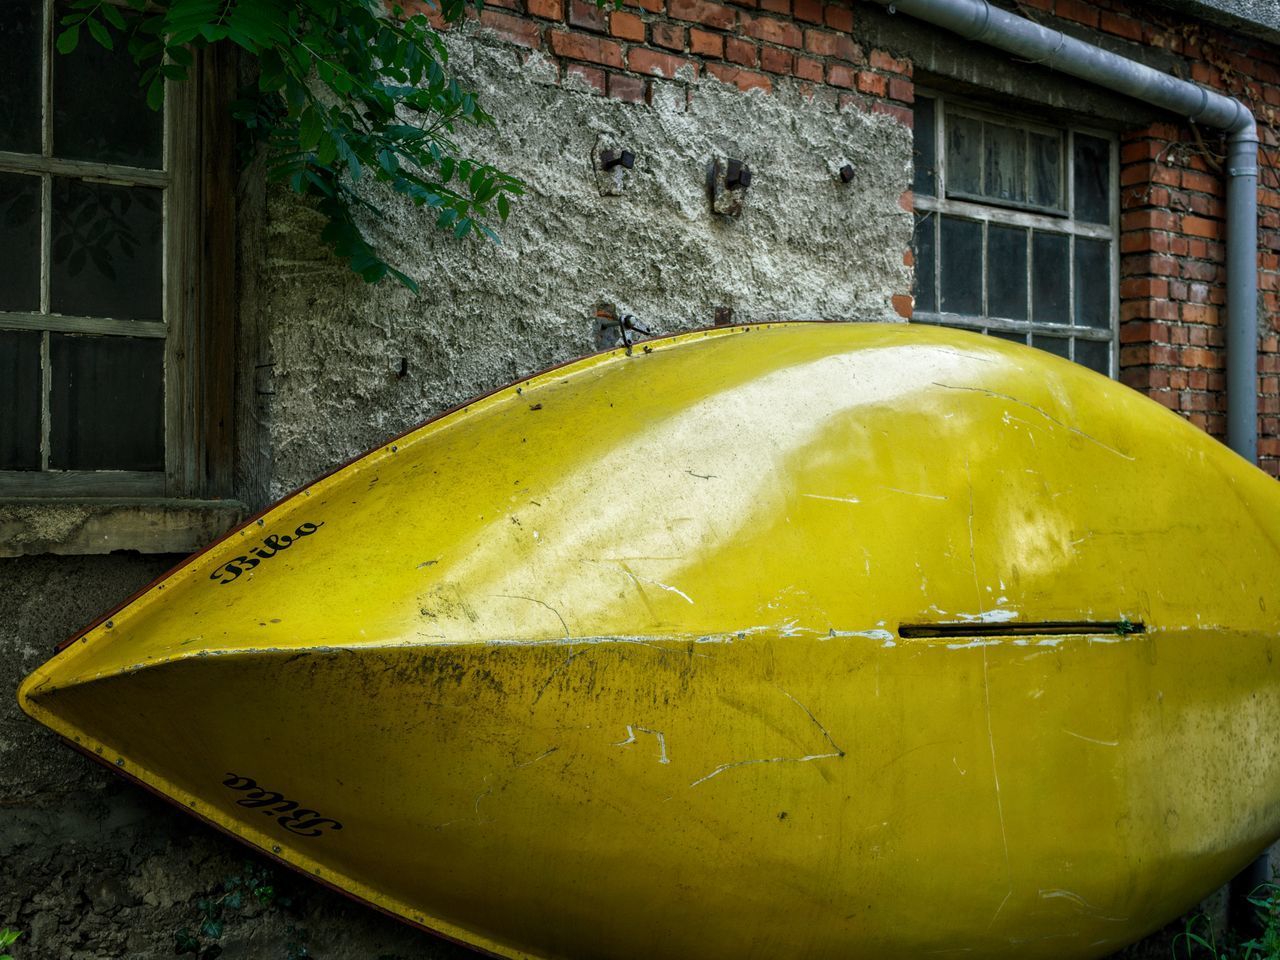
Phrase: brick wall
(626, 53)
(1172, 251)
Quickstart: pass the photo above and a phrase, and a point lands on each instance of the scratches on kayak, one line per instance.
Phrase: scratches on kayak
(520, 765)
(541, 603)
(837, 753)
(657, 734)
(994, 394)
(658, 583)
(995, 778)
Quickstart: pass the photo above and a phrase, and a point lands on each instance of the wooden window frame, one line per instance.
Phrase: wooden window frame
(198, 273)
(1021, 215)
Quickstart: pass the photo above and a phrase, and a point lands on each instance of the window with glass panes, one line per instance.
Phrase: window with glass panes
(91, 187)
(1016, 225)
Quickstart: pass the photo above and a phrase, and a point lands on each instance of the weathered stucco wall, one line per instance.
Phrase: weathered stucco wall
(806, 247)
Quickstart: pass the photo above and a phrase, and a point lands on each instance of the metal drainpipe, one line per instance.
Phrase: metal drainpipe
(978, 20)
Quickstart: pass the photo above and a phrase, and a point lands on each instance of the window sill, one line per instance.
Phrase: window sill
(70, 527)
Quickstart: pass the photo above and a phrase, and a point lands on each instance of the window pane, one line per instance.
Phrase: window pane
(1092, 179)
(925, 263)
(1007, 335)
(1093, 283)
(106, 250)
(1050, 273)
(20, 76)
(1006, 163)
(107, 403)
(1046, 170)
(964, 155)
(19, 400)
(1094, 354)
(1059, 346)
(99, 111)
(1007, 272)
(19, 242)
(926, 148)
(961, 266)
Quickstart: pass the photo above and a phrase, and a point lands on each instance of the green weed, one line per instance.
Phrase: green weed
(1198, 941)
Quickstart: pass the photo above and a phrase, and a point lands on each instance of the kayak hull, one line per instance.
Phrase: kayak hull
(807, 640)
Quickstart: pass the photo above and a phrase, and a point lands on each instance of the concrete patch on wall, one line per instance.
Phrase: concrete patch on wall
(353, 365)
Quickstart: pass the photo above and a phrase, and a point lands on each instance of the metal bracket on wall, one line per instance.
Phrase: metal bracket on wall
(727, 183)
(613, 329)
(612, 166)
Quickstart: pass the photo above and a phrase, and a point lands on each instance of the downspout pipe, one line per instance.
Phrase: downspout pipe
(979, 21)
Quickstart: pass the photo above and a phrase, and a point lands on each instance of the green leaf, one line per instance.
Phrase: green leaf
(99, 32)
(113, 15)
(504, 206)
(212, 929)
(68, 39)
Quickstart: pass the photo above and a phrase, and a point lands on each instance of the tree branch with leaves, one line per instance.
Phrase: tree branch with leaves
(347, 91)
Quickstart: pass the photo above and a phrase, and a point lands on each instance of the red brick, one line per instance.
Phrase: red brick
(1143, 287)
(626, 26)
(1148, 220)
(819, 43)
(902, 304)
(839, 76)
(907, 200)
(657, 64)
(1203, 182)
(1149, 173)
(1148, 309)
(1200, 227)
(1202, 72)
(591, 75)
(744, 80)
(775, 60)
(652, 6)
(623, 87)
(547, 9)
(776, 6)
(770, 30)
(1199, 313)
(903, 90)
(1142, 331)
(668, 35)
(709, 14)
(807, 69)
(1135, 266)
(839, 18)
(516, 29)
(1121, 26)
(1077, 10)
(872, 83)
(809, 11)
(904, 115)
(706, 44)
(883, 61)
(580, 46)
(908, 257)
(741, 52)
(588, 16)
(846, 49)
(1139, 150)
(504, 4)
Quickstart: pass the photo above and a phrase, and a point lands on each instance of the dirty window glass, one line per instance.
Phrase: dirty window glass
(85, 204)
(1015, 235)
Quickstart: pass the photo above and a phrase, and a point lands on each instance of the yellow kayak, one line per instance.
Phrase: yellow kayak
(797, 640)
